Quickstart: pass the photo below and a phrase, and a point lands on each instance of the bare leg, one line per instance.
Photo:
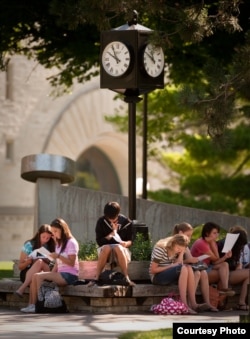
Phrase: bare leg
(183, 289)
(38, 279)
(102, 259)
(123, 262)
(197, 276)
(204, 285)
(240, 276)
(38, 266)
(191, 287)
(223, 273)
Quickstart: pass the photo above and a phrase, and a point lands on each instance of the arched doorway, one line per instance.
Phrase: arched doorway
(96, 171)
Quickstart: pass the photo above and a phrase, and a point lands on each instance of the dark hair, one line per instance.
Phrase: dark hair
(36, 242)
(240, 242)
(66, 233)
(208, 227)
(111, 210)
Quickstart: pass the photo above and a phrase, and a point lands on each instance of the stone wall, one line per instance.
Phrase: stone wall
(81, 208)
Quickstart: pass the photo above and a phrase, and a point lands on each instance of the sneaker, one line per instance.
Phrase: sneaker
(227, 292)
(29, 309)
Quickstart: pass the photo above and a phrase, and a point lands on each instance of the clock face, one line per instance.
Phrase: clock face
(116, 58)
(153, 60)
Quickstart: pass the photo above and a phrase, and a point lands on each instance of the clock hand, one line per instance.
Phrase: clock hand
(151, 57)
(115, 56)
(112, 55)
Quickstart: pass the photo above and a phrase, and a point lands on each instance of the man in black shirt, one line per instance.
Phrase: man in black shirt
(114, 237)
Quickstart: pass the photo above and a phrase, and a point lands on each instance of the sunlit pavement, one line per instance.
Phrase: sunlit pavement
(15, 324)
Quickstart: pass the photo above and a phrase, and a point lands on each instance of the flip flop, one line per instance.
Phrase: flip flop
(202, 307)
(242, 307)
(213, 309)
(92, 283)
(18, 294)
(191, 312)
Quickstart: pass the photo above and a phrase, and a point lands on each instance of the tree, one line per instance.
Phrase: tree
(66, 33)
(207, 49)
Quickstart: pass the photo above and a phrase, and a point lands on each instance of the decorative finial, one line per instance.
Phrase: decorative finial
(134, 20)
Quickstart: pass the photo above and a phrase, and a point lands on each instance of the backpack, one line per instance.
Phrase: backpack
(109, 277)
(49, 299)
(170, 306)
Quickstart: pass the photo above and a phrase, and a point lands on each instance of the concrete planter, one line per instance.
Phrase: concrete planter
(137, 270)
(87, 269)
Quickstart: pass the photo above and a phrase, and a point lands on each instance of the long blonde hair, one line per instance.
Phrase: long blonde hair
(176, 239)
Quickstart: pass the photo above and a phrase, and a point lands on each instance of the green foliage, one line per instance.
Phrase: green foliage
(86, 180)
(87, 250)
(209, 177)
(207, 48)
(141, 248)
(66, 34)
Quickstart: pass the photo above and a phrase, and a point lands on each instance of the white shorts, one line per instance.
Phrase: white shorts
(112, 258)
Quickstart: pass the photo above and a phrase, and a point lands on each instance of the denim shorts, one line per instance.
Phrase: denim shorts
(167, 277)
(70, 278)
(209, 269)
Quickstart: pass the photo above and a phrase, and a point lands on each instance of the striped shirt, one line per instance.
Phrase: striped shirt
(160, 256)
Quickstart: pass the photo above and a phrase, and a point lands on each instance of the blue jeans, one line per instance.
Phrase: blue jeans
(167, 277)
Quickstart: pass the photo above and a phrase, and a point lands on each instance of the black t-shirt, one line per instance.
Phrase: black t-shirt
(103, 228)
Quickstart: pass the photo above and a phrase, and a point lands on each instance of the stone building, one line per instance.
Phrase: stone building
(33, 121)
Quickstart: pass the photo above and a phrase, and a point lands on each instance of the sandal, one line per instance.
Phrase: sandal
(191, 312)
(242, 307)
(92, 283)
(213, 309)
(20, 295)
(130, 283)
(202, 308)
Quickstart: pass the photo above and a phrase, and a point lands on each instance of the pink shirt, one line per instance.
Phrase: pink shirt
(200, 247)
(71, 248)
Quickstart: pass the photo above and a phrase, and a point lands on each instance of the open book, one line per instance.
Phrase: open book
(44, 253)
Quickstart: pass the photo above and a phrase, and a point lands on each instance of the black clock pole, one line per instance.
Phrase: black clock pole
(131, 65)
(132, 101)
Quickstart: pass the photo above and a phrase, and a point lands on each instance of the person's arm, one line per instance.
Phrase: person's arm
(125, 231)
(24, 261)
(188, 258)
(69, 260)
(104, 234)
(156, 268)
(214, 253)
(126, 243)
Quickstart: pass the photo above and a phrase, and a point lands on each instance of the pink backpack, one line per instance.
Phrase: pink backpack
(170, 306)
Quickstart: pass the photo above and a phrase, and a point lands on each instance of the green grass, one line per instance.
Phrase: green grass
(6, 269)
(155, 334)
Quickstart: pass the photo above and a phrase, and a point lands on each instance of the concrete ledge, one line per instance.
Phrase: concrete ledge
(101, 299)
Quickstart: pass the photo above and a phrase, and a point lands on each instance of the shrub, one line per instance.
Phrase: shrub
(141, 248)
(88, 250)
